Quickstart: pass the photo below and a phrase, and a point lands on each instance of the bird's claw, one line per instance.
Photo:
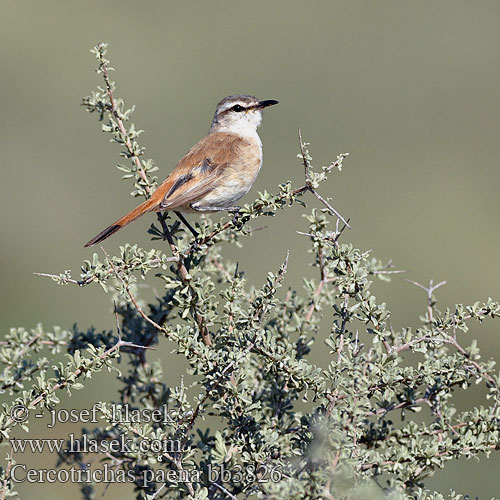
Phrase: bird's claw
(235, 220)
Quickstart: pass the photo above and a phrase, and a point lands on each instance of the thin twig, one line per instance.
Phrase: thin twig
(430, 291)
(309, 187)
(158, 491)
(64, 279)
(387, 271)
(228, 493)
(123, 130)
(328, 205)
(58, 277)
(304, 157)
(3, 492)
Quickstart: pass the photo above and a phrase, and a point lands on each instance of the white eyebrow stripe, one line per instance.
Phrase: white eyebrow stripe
(230, 105)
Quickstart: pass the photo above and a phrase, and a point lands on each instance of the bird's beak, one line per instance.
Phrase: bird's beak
(267, 103)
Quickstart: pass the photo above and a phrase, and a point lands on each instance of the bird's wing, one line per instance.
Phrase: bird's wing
(199, 171)
(188, 187)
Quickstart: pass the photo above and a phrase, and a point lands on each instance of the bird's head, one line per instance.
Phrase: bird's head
(239, 114)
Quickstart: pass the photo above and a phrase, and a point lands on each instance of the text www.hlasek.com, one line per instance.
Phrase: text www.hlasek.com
(86, 445)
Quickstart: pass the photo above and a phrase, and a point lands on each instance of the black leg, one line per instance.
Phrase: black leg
(186, 223)
(166, 233)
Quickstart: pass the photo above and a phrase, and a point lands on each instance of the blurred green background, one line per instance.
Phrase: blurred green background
(410, 89)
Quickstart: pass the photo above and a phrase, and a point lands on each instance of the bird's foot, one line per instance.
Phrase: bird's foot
(235, 220)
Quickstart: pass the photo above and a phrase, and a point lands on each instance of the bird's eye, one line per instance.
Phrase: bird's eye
(238, 108)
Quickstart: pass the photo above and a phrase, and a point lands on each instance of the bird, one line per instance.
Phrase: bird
(215, 173)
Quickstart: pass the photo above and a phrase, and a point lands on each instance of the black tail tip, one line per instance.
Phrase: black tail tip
(103, 235)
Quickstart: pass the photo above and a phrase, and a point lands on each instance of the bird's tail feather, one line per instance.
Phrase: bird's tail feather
(147, 206)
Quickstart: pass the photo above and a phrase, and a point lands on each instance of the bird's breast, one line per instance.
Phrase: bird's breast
(238, 176)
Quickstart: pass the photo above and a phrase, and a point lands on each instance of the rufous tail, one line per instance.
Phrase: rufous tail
(147, 206)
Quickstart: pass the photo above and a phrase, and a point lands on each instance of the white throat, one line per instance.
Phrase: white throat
(245, 126)
(239, 129)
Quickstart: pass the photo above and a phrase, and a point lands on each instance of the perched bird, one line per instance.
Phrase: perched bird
(216, 172)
